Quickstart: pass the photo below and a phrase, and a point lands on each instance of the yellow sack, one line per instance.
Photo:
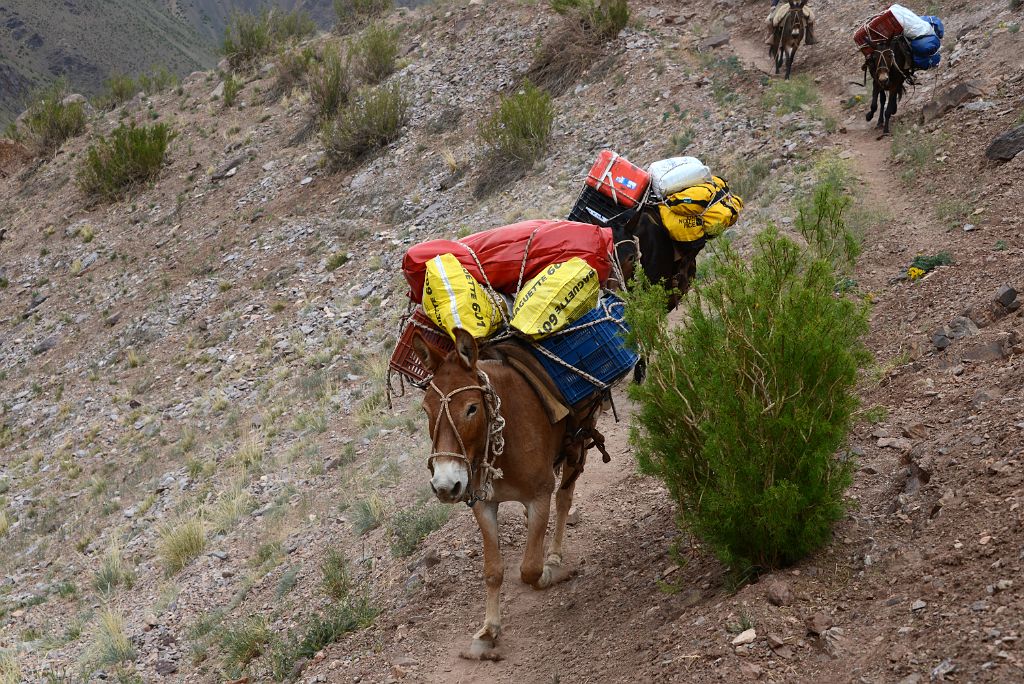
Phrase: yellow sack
(557, 296)
(453, 299)
(704, 210)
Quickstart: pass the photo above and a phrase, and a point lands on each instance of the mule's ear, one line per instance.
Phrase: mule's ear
(430, 357)
(466, 349)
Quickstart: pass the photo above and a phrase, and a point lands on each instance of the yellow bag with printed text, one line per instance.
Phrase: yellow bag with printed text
(452, 299)
(557, 296)
(704, 210)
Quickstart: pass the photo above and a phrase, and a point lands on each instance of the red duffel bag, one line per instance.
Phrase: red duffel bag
(500, 252)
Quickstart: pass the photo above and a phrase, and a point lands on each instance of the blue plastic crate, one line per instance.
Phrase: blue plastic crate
(595, 344)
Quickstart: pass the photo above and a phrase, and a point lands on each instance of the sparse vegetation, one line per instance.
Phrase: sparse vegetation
(409, 526)
(791, 96)
(180, 542)
(915, 149)
(375, 52)
(337, 260)
(372, 121)
(110, 645)
(291, 68)
(330, 85)
(520, 127)
(351, 14)
(576, 44)
(756, 476)
(243, 641)
(319, 632)
(233, 505)
(49, 121)
(821, 218)
(252, 36)
(112, 572)
(232, 86)
(5, 524)
(10, 670)
(337, 581)
(368, 514)
(131, 155)
(120, 89)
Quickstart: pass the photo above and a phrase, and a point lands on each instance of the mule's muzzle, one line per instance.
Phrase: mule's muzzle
(449, 480)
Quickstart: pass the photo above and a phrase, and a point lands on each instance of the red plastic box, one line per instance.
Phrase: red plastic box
(614, 176)
(878, 29)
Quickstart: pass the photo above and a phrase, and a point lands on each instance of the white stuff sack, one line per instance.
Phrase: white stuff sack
(669, 176)
(914, 27)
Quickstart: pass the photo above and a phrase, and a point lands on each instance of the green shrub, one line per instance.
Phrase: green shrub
(519, 129)
(747, 181)
(119, 89)
(243, 641)
(181, 542)
(744, 408)
(49, 122)
(330, 85)
(10, 670)
(821, 217)
(232, 86)
(251, 36)
(375, 53)
(291, 26)
(291, 67)
(111, 645)
(353, 13)
(131, 155)
(112, 572)
(160, 80)
(337, 581)
(319, 632)
(603, 19)
(409, 526)
(374, 120)
(368, 514)
(247, 38)
(792, 95)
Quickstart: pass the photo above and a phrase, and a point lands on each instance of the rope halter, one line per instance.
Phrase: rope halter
(494, 444)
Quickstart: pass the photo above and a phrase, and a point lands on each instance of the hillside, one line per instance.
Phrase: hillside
(213, 348)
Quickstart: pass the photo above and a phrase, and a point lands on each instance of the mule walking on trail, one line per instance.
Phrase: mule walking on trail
(789, 25)
(891, 67)
(494, 441)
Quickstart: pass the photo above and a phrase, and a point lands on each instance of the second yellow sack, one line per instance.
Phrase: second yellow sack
(556, 297)
(704, 210)
(452, 299)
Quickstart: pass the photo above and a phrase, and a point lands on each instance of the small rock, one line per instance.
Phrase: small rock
(306, 181)
(45, 346)
(918, 605)
(166, 667)
(573, 517)
(961, 327)
(750, 670)
(944, 668)
(950, 99)
(941, 338)
(1007, 145)
(915, 431)
(900, 443)
(745, 637)
(775, 641)
(818, 623)
(1006, 295)
(779, 593)
(980, 353)
(713, 42)
(911, 679)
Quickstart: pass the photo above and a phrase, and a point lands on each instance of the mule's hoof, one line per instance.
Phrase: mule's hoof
(482, 649)
(869, 116)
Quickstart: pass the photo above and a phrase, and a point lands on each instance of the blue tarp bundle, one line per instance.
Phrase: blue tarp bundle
(925, 50)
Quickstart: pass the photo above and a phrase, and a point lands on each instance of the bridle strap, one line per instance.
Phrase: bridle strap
(494, 444)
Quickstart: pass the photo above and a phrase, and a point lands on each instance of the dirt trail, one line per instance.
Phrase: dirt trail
(541, 627)
(529, 617)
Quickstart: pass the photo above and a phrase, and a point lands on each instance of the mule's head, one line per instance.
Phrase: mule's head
(882, 65)
(457, 415)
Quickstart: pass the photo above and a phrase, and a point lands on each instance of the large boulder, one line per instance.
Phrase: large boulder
(950, 99)
(1007, 145)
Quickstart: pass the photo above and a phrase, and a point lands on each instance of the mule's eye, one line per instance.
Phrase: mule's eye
(471, 409)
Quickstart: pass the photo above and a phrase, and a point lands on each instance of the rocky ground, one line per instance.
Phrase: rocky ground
(216, 345)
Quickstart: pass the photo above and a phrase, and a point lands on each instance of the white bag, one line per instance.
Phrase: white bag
(914, 27)
(669, 176)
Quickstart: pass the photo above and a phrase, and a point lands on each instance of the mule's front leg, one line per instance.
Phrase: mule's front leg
(485, 640)
(874, 101)
(537, 512)
(889, 111)
(789, 62)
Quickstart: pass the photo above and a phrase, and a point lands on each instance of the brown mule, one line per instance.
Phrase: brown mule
(492, 441)
(891, 67)
(788, 36)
